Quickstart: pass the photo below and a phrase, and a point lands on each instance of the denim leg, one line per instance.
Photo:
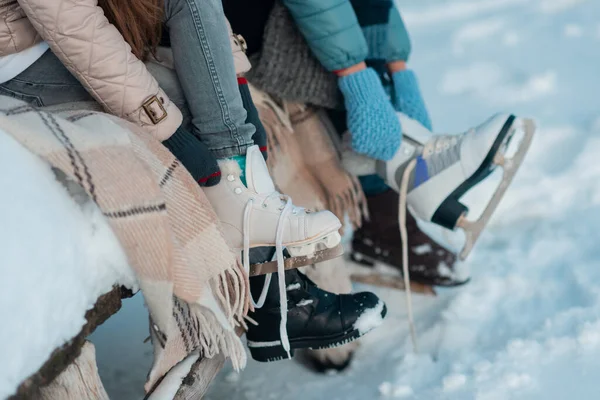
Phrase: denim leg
(204, 63)
(46, 83)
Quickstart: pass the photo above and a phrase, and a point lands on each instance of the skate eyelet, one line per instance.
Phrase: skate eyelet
(230, 178)
(238, 190)
(264, 205)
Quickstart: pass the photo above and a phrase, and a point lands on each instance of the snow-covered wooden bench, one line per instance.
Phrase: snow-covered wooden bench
(63, 274)
(85, 275)
(69, 360)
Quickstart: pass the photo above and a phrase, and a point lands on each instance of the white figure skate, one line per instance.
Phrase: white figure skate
(446, 167)
(257, 215)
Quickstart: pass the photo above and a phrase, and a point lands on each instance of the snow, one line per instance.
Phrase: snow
(454, 382)
(527, 326)
(444, 270)
(490, 82)
(304, 302)
(369, 319)
(386, 389)
(422, 249)
(56, 259)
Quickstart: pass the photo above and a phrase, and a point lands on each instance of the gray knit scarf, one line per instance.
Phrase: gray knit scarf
(287, 69)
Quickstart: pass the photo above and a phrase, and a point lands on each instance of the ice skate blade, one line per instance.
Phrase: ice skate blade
(392, 282)
(297, 262)
(326, 242)
(364, 269)
(510, 167)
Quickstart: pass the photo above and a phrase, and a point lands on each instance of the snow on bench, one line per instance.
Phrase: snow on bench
(59, 258)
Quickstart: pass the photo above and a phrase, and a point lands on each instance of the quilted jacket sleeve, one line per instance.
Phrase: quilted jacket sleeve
(399, 45)
(96, 53)
(331, 30)
(384, 30)
(16, 32)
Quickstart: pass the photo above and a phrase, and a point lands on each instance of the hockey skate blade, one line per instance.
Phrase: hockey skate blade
(392, 282)
(299, 261)
(510, 166)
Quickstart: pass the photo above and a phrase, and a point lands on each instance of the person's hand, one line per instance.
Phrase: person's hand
(371, 119)
(407, 95)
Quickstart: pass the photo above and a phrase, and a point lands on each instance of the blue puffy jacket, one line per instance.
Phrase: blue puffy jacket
(342, 33)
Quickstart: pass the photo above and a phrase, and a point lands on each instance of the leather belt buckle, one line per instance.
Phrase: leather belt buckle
(152, 107)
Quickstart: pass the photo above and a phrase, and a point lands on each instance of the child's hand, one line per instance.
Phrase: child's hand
(372, 121)
(408, 98)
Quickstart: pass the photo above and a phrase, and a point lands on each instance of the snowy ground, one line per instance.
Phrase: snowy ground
(528, 325)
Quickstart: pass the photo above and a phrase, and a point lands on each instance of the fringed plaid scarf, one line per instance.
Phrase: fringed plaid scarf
(304, 160)
(193, 285)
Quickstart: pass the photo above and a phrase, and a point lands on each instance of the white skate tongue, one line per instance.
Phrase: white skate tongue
(258, 178)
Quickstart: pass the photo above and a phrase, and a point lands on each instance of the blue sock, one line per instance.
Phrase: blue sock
(373, 184)
(241, 160)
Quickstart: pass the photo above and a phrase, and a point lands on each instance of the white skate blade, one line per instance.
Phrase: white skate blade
(305, 250)
(510, 167)
(385, 277)
(392, 282)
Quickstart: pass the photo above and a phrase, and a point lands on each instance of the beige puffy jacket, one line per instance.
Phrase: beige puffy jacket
(95, 52)
(16, 32)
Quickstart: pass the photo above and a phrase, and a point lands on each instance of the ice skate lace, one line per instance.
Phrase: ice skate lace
(433, 149)
(285, 209)
(404, 238)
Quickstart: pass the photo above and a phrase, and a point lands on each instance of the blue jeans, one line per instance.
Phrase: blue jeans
(206, 89)
(46, 83)
(204, 64)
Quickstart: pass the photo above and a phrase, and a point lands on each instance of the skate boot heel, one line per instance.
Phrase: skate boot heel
(449, 212)
(264, 352)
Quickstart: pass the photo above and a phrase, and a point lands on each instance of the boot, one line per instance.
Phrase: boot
(313, 318)
(256, 215)
(378, 240)
(446, 167)
(443, 168)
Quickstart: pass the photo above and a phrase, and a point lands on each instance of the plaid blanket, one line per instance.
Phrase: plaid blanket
(193, 284)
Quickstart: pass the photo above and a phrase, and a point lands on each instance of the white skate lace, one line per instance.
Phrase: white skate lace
(285, 210)
(433, 149)
(404, 238)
